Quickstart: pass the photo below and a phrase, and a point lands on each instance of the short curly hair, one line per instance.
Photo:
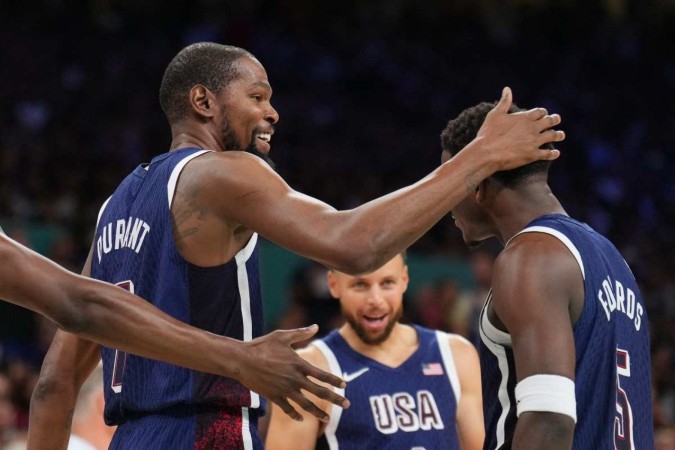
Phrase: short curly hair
(463, 129)
(204, 63)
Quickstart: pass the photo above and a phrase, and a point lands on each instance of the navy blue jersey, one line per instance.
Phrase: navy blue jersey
(409, 407)
(134, 248)
(611, 340)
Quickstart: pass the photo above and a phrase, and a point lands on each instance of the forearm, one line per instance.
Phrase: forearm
(51, 414)
(68, 363)
(363, 239)
(118, 319)
(537, 430)
(109, 315)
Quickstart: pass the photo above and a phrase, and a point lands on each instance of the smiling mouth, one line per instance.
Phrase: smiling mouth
(374, 322)
(265, 137)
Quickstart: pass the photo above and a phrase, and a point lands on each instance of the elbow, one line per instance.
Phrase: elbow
(358, 259)
(52, 383)
(76, 315)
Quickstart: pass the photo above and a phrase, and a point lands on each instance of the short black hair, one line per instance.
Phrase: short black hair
(463, 129)
(204, 63)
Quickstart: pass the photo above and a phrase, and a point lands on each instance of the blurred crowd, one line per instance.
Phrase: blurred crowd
(363, 90)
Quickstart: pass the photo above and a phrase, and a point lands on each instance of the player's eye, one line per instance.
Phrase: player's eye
(257, 98)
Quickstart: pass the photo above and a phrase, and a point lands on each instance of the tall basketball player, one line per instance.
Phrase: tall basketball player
(564, 331)
(182, 232)
(409, 387)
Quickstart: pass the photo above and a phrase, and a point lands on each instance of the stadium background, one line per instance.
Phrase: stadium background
(363, 90)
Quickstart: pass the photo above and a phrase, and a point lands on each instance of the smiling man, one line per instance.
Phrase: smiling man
(181, 232)
(410, 387)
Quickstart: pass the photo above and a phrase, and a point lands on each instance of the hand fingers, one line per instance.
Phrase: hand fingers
(310, 407)
(301, 334)
(548, 155)
(326, 394)
(504, 102)
(325, 377)
(551, 136)
(536, 113)
(548, 121)
(288, 409)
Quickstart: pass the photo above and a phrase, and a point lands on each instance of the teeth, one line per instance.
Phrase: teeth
(264, 136)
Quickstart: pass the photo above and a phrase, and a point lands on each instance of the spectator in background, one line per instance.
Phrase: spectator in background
(89, 431)
(7, 411)
(481, 261)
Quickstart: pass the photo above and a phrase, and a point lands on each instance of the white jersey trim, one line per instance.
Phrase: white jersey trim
(245, 294)
(245, 253)
(564, 239)
(503, 394)
(173, 179)
(491, 332)
(100, 211)
(246, 429)
(336, 411)
(443, 341)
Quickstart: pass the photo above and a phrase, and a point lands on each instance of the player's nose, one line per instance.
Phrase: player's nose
(376, 296)
(272, 116)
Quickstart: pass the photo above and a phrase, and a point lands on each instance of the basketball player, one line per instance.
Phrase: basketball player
(564, 331)
(182, 232)
(409, 386)
(113, 316)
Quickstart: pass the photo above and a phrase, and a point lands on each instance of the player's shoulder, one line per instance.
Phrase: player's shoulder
(313, 355)
(233, 157)
(534, 254)
(233, 164)
(461, 347)
(236, 172)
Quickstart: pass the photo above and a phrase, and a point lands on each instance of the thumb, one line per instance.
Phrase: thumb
(505, 102)
(302, 334)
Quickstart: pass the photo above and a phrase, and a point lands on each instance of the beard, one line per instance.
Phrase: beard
(362, 333)
(230, 142)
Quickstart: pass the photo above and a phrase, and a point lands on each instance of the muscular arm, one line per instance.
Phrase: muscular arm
(116, 318)
(363, 239)
(286, 434)
(68, 363)
(536, 284)
(470, 425)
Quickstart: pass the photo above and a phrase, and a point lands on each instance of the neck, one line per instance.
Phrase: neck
(514, 209)
(185, 135)
(393, 351)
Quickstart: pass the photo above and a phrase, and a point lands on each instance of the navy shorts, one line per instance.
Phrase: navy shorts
(185, 429)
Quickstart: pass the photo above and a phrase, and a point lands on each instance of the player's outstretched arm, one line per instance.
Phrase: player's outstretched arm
(284, 433)
(535, 280)
(362, 239)
(118, 319)
(470, 424)
(69, 361)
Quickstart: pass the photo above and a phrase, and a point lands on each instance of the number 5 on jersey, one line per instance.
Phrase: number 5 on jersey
(120, 357)
(623, 423)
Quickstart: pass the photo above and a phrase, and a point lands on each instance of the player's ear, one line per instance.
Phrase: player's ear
(333, 284)
(480, 194)
(202, 101)
(405, 278)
